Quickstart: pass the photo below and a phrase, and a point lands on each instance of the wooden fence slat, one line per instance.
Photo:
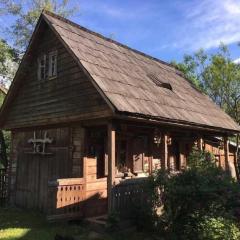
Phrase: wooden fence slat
(126, 194)
(66, 198)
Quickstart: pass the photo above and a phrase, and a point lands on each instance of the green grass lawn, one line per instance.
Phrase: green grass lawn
(26, 225)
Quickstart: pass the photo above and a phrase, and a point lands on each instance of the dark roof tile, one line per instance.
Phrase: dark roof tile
(122, 74)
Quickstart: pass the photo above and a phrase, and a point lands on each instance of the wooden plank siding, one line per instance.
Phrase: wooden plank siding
(30, 173)
(78, 138)
(69, 96)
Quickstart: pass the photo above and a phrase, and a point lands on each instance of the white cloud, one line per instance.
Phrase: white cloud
(209, 22)
(237, 61)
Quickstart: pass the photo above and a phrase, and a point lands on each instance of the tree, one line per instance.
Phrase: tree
(217, 76)
(27, 14)
(9, 58)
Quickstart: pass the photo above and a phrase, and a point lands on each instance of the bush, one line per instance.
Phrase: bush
(113, 221)
(203, 189)
(211, 228)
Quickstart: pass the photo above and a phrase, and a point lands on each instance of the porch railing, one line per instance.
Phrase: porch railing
(3, 186)
(66, 198)
(128, 194)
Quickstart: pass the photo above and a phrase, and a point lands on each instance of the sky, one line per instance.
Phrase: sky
(166, 29)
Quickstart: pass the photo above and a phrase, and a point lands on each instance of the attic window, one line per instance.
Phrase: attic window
(42, 67)
(159, 82)
(52, 67)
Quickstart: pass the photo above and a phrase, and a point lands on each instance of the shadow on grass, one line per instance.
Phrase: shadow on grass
(22, 224)
(19, 224)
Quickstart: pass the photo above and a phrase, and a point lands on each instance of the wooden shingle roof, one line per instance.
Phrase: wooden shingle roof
(126, 77)
(133, 83)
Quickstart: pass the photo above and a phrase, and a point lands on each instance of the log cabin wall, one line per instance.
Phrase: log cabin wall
(78, 141)
(218, 151)
(31, 171)
(15, 141)
(70, 96)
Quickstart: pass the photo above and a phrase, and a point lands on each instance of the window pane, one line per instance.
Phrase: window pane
(52, 64)
(42, 67)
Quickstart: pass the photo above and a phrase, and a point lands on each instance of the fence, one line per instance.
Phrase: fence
(78, 197)
(66, 198)
(128, 194)
(3, 187)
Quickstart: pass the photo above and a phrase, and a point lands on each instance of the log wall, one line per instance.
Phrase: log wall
(78, 138)
(30, 172)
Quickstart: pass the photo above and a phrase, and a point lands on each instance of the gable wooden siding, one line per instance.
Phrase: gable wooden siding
(69, 96)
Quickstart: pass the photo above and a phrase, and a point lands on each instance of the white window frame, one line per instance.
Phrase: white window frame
(52, 73)
(42, 67)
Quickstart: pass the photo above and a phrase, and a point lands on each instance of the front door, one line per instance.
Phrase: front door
(139, 149)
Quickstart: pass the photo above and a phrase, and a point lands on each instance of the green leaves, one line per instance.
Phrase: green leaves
(27, 14)
(217, 76)
(210, 228)
(9, 58)
(199, 203)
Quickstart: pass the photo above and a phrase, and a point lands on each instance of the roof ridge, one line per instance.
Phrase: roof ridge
(108, 39)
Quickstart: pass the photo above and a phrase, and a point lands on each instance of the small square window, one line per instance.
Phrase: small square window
(52, 67)
(42, 67)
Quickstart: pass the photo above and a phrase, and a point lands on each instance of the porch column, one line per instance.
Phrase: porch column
(200, 143)
(236, 156)
(111, 163)
(164, 158)
(226, 152)
(229, 166)
(182, 156)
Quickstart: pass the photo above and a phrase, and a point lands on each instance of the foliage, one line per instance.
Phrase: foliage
(217, 75)
(143, 216)
(27, 14)
(9, 58)
(201, 160)
(201, 190)
(213, 228)
(113, 221)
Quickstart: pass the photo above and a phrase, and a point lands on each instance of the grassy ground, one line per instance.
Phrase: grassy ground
(25, 225)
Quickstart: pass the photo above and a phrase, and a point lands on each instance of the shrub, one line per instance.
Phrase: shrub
(113, 221)
(203, 189)
(213, 228)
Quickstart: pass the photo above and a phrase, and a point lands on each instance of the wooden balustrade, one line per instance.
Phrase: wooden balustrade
(127, 194)
(66, 198)
(78, 197)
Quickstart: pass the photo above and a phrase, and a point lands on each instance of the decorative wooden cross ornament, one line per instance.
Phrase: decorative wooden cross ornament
(39, 145)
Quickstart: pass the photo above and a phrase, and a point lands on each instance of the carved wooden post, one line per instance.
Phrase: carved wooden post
(182, 156)
(164, 160)
(229, 165)
(200, 143)
(111, 163)
(236, 157)
(226, 153)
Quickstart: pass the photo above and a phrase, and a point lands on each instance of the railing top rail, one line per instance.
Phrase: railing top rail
(66, 182)
(132, 181)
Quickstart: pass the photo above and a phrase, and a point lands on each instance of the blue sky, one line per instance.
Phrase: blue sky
(165, 29)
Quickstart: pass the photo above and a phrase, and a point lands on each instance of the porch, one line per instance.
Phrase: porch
(117, 158)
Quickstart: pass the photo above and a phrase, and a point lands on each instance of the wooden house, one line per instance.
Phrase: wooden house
(88, 113)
